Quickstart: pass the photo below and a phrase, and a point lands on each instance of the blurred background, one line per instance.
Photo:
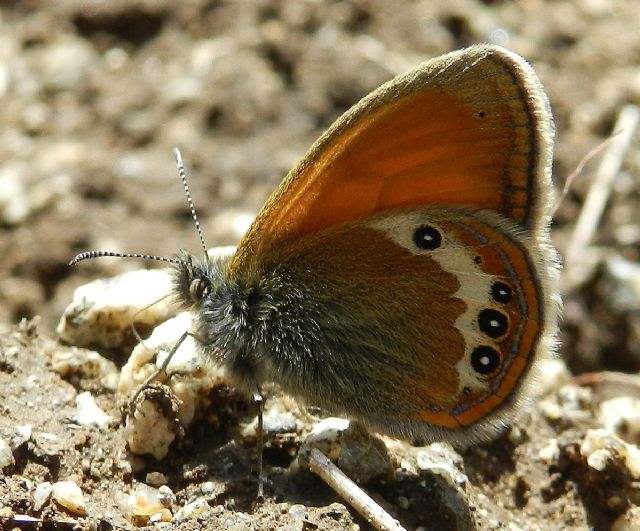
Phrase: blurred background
(94, 95)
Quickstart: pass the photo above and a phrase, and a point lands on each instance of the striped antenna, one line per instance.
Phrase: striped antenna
(183, 177)
(87, 255)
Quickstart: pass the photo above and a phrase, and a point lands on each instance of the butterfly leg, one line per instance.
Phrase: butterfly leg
(259, 400)
(163, 369)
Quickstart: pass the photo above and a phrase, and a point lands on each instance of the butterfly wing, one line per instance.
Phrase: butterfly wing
(472, 128)
(412, 283)
(421, 322)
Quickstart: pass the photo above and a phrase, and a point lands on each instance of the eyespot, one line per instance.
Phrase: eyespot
(197, 289)
(501, 292)
(493, 323)
(485, 360)
(427, 237)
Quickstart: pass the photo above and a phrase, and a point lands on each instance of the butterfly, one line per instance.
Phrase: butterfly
(402, 274)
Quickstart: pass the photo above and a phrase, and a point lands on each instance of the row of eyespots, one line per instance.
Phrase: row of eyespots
(493, 323)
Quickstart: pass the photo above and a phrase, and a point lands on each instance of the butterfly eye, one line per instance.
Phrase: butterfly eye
(427, 237)
(197, 289)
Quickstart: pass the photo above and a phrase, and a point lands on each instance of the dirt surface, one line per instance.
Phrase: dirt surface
(94, 95)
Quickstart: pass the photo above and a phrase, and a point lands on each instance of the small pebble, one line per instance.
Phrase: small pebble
(441, 459)
(555, 375)
(162, 516)
(156, 479)
(6, 455)
(42, 494)
(189, 379)
(102, 311)
(23, 434)
(600, 459)
(145, 501)
(550, 453)
(166, 496)
(195, 509)
(621, 416)
(88, 413)
(628, 521)
(601, 448)
(297, 511)
(69, 495)
(360, 455)
(86, 363)
(207, 487)
(149, 430)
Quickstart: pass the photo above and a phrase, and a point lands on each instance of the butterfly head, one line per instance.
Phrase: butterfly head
(194, 280)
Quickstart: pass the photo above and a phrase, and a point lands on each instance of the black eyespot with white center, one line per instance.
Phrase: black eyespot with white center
(501, 292)
(485, 360)
(493, 323)
(427, 237)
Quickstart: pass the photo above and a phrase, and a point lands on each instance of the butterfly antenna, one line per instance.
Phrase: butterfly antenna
(87, 255)
(183, 177)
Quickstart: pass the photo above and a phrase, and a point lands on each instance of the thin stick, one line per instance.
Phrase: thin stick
(576, 265)
(578, 170)
(354, 495)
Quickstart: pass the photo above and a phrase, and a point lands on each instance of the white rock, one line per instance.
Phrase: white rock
(23, 434)
(162, 516)
(156, 479)
(166, 495)
(187, 375)
(600, 448)
(621, 416)
(145, 501)
(15, 204)
(196, 509)
(101, 312)
(6, 455)
(149, 430)
(360, 455)
(628, 521)
(441, 459)
(553, 375)
(65, 64)
(550, 452)
(208, 487)
(599, 459)
(87, 362)
(42, 495)
(633, 460)
(326, 436)
(141, 364)
(69, 495)
(623, 277)
(88, 413)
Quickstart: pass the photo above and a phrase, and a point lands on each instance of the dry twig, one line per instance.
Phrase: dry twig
(354, 495)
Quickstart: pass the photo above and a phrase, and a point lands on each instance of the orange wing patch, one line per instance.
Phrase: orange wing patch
(451, 132)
